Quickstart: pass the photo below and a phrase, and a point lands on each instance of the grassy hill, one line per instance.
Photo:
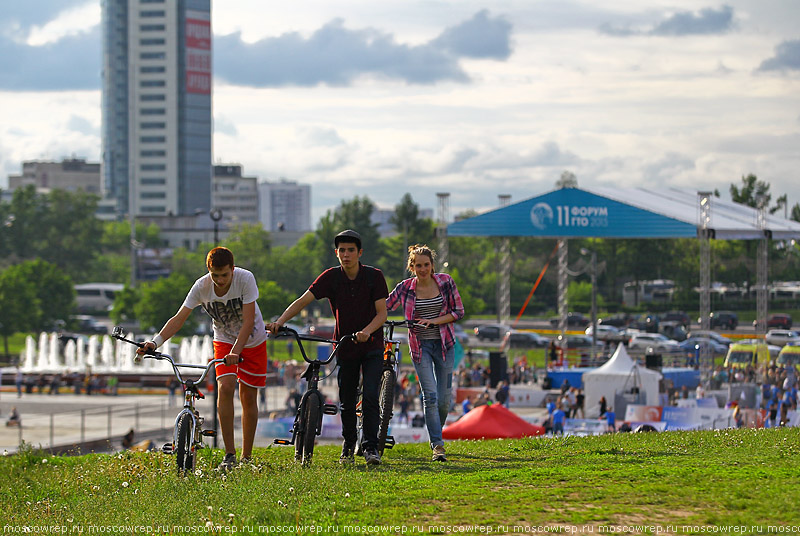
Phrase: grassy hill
(647, 483)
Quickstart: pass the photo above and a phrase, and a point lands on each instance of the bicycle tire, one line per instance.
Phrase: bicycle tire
(386, 404)
(311, 418)
(185, 454)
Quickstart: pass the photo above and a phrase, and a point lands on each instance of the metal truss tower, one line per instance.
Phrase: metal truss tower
(704, 235)
(441, 229)
(504, 277)
(563, 276)
(762, 275)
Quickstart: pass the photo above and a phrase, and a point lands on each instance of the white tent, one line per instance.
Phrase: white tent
(620, 374)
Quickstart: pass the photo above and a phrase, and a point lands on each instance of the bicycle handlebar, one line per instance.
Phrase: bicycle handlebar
(119, 334)
(284, 331)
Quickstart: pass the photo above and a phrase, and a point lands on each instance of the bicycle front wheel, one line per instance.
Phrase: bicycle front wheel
(386, 403)
(304, 446)
(185, 448)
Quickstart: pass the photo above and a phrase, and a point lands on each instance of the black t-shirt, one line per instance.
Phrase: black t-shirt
(353, 304)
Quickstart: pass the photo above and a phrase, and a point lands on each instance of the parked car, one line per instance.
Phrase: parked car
(713, 335)
(677, 316)
(672, 329)
(656, 341)
(781, 337)
(725, 320)
(779, 320)
(89, 324)
(619, 320)
(716, 348)
(606, 333)
(490, 332)
(523, 339)
(789, 356)
(322, 330)
(576, 320)
(647, 322)
(461, 335)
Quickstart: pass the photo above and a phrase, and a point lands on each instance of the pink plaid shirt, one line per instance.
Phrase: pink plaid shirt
(406, 293)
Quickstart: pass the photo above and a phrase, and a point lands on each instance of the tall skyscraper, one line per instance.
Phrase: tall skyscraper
(285, 206)
(157, 112)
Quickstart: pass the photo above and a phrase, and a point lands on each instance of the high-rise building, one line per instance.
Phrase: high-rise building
(157, 106)
(235, 195)
(285, 206)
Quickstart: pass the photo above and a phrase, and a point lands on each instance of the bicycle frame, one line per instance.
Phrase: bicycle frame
(303, 452)
(190, 389)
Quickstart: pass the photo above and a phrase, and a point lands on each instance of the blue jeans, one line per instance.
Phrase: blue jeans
(435, 376)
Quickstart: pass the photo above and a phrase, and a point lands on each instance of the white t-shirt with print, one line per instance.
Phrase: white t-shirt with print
(226, 311)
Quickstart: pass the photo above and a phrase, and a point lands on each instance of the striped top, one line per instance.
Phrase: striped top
(429, 308)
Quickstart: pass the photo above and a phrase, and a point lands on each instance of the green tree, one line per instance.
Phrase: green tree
(21, 310)
(272, 299)
(751, 190)
(125, 301)
(54, 290)
(472, 305)
(795, 212)
(160, 300)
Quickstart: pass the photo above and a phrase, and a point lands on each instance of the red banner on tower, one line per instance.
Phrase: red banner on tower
(198, 53)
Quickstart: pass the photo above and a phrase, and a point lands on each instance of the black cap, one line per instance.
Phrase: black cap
(348, 235)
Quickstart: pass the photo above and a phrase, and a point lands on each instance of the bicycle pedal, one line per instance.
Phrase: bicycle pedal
(167, 448)
(209, 433)
(330, 409)
(282, 442)
(389, 442)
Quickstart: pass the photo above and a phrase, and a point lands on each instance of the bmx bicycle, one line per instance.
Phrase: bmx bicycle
(386, 392)
(188, 432)
(308, 419)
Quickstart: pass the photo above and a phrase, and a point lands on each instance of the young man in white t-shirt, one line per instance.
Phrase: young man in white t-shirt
(228, 294)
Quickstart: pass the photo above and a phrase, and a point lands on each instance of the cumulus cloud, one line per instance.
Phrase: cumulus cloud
(332, 55)
(707, 21)
(786, 58)
(82, 126)
(72, 62)
(479, 37)
(337, 56)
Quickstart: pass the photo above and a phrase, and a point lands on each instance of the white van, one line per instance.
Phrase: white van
(96, 297)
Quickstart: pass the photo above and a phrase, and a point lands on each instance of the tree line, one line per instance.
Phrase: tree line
(52, 241)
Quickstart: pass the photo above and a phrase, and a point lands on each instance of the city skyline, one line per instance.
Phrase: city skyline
(473, 98)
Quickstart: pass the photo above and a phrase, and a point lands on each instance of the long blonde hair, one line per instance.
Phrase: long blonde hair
(420, 249)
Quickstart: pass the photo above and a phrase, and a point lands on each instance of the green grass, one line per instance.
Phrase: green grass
(720, 478)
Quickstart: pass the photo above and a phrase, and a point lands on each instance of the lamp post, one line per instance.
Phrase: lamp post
(585, 251)
(216, 215)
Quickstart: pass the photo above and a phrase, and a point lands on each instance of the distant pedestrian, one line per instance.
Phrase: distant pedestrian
(18, 381)
(611, 420)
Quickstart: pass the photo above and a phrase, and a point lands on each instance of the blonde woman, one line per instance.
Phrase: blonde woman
(432, 302)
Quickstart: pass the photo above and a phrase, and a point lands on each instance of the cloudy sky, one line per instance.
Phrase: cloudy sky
(469, 97)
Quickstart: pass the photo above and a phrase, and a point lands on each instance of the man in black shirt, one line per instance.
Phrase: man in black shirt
(357, 294)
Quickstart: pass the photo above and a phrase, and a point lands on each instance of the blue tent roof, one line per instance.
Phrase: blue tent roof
(620, 213)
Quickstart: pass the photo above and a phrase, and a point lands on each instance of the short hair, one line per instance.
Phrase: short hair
(420, 249)
(219, 257)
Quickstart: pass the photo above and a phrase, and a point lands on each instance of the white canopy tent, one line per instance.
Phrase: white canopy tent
(620, 374)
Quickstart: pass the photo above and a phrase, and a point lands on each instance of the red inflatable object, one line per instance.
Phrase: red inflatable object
(491, 422)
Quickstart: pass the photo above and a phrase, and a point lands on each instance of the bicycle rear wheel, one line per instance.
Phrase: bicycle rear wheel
(304, 445)
(386, 403)
(185, 453)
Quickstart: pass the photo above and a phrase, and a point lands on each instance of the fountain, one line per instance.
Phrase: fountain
(104, 355)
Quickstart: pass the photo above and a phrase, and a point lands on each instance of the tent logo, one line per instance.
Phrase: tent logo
(541, 215)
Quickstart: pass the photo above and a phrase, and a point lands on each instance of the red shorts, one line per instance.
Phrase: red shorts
(251, 371)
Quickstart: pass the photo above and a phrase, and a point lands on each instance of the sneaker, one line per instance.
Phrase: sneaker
(438, 454)
(348, 454)
(372, 457)
(228, 462)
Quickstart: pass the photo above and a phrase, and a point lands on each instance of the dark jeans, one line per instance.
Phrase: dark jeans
(350, 370)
